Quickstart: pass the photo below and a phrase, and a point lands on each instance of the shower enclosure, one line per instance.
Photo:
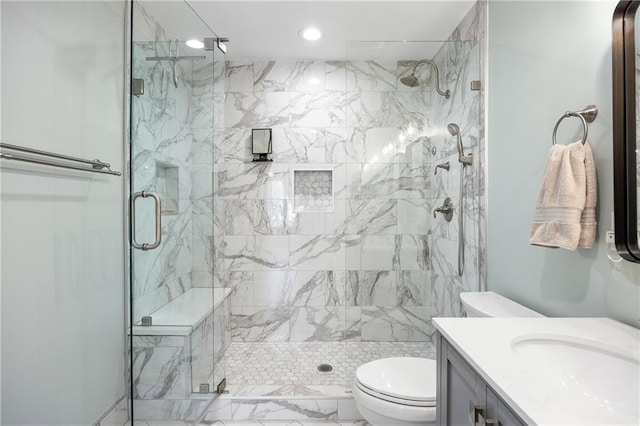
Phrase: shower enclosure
(361, 279)
(276, 280)
(175, 311)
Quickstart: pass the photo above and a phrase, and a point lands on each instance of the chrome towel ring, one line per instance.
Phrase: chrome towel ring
(587, 115)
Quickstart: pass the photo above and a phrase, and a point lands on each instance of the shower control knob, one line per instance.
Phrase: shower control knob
(445, 166)
(446, 210)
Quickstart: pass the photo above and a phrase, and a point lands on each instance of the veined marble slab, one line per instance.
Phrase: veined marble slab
(185, 312)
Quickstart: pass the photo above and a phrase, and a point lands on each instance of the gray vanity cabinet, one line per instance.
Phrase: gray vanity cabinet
(463, 396)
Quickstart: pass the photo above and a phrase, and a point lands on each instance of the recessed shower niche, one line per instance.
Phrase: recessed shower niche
(167, 187)
(313, 190)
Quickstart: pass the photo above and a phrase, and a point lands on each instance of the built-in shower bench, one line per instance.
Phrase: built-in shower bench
(181, 354)
(184, 313)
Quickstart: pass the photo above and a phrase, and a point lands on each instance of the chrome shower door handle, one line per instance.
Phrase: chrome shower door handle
(158, 207)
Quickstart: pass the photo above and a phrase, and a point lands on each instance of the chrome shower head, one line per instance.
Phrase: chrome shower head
(410, 80)
(454, 129)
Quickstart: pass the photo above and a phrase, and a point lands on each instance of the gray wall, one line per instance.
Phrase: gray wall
(546, 58)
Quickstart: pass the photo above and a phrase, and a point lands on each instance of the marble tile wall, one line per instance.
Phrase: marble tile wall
(161, 137)
(377, 267)
(359, 272)
(204, 113)
(461, 62)
(221, 336)
(201, 354)
(168, 370)
(172, 127)
(160, 368)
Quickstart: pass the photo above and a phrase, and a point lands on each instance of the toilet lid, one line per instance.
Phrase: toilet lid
(405, 378)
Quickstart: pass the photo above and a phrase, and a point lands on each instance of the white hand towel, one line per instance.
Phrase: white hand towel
(560, 216)
(588, 221)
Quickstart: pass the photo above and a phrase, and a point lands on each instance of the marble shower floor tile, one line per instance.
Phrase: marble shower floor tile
(290, 368)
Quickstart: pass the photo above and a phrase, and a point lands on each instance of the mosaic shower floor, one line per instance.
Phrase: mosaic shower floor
(290, 368)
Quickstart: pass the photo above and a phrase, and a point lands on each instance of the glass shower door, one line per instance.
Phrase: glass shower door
(172, 306)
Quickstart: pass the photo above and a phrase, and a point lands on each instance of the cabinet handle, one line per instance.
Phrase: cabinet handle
(475, 411)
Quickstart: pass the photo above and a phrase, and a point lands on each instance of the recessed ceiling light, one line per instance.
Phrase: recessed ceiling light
(310, 34)
(195, 44)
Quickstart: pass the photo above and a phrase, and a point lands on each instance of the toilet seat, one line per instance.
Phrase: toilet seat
(392, 399)
(401, 380)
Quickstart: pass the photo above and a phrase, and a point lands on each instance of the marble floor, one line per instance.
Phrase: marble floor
(290, 368)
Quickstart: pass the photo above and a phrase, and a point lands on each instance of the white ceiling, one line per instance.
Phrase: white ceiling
(269, 29)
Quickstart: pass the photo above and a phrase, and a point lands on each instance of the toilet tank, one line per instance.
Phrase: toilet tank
(490, 304)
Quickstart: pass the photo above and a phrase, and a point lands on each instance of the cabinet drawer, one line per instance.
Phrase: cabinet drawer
(463, 397)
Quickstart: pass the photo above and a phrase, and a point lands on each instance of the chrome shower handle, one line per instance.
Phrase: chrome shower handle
(158, 207)
(445, 166)
(446, 210)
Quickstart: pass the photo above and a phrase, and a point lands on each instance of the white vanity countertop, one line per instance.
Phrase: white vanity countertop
(510, 355)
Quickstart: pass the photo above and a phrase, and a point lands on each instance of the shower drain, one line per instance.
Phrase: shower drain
(325, 368)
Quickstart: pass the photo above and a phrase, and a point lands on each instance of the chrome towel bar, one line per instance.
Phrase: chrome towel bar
(97, 166)
(587, 115)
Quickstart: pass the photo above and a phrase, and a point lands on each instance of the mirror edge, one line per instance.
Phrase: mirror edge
(270, 146)
(624, 131)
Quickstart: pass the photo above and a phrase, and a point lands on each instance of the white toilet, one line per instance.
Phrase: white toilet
(401, 391)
